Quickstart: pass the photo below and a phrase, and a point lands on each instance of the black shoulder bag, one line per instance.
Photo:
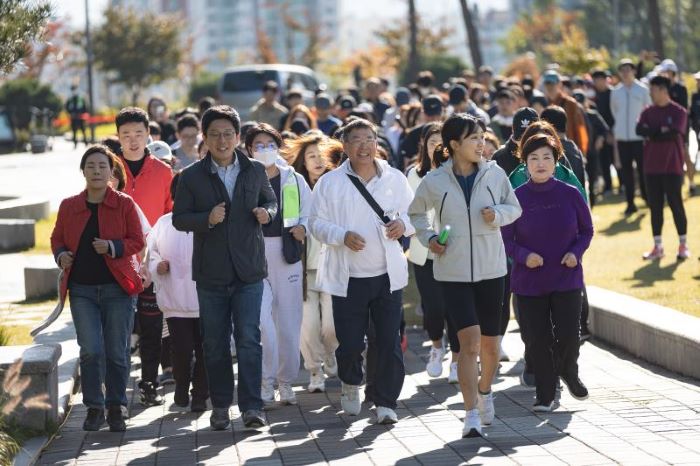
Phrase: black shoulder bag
(372, 203)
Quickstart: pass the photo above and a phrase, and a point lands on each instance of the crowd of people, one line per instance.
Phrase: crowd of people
(200, 238)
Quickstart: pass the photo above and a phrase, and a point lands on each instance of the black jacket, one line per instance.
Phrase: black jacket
(573, 159)
(234, 249)
(505, 156)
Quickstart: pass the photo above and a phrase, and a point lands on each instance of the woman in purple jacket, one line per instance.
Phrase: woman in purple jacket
(546, 245)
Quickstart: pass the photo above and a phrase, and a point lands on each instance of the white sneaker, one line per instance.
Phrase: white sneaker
(317, 382)
(350, 399)
(453, 377)
(472, 424)
(486, 409)
(541, 407)
(267, 392)
(386, 415)
(287, 396)
(503, 356)
(330, 365)
(434, 366)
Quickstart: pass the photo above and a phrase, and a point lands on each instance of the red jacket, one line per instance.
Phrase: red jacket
(119, 223)
(151, 188)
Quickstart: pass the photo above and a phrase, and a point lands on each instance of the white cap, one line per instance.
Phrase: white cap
(669, 65)
(160, 150)
(697, 75)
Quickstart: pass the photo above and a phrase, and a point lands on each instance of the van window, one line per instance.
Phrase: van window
(301, 80)
(240, 81)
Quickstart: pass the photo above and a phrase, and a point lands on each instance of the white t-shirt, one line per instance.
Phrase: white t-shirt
(371, 261)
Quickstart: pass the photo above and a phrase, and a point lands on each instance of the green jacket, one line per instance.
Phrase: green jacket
(520, 176)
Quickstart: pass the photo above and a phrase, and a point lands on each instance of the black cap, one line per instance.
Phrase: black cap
(579, 95)
(432, 105)
(347, 102)
(522, 119)
(626, 62)
(505, 94)
(599, 73)
(458, 94)
(323, 101)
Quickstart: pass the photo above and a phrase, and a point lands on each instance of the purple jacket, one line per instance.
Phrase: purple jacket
(555, 220)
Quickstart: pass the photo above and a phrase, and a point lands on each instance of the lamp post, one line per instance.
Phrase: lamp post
(89, 71)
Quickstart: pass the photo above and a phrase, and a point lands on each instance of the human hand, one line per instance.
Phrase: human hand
(354, 241)
(101, 245)
(488, 214)
(66, 260)
(395, 229)
(534, 260)
(435, 247)
(217, 214)
(298, 232)
(163, 267)
(262, 215)
(569, 260)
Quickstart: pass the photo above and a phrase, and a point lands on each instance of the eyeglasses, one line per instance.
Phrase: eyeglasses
(261, 146)
(359, 142)
(226, 135)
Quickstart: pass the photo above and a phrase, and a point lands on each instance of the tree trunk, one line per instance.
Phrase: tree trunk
(655, 26)
(413, 59)
(472, 35)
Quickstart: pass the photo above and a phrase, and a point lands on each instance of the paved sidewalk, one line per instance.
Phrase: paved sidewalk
(637, 414)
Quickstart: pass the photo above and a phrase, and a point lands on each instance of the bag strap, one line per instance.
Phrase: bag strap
(368, 197)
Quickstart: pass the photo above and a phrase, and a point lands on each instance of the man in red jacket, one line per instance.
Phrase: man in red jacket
(148, 183)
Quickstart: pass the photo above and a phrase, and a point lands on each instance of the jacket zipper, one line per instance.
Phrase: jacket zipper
(442, 205)
(488, 188)
(469, 219)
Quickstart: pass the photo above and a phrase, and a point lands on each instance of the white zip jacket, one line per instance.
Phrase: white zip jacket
(176, 292)
(626, 104)
(475, 250)
(417, 253)
(338, 207)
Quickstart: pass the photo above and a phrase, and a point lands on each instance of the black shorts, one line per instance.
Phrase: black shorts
(476, 303)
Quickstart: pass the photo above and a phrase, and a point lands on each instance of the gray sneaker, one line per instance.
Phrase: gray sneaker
(253, 419)
(219, 419)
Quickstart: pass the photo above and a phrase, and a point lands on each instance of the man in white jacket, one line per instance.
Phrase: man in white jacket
(627, 101)
(363, 266)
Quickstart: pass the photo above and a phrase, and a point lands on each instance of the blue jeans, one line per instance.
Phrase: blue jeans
(219, 307)
(103, 316)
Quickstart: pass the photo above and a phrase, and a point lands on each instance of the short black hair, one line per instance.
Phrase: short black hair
(187, 121)
(173, 185)
(661, 81)
(221, 112)
(97, 149)
(294, 95)
(555, 115)
(132, 115)
(113, 144)
(205, 103)
(270, 86)
(358, 123)
(261, 128)
(154, 128)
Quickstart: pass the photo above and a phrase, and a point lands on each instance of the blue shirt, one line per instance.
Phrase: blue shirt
(467, 183)
(330, 125)
(227, 174)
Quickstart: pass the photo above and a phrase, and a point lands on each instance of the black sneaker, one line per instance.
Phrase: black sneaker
(115, 419)
(94, 420)
(219, 419)
(585, 335)
(182, 397)
(631, 209)
(148, 394)
(166, 378)
(199, 405)
(542, 407)
(576, 388)
(253, 419)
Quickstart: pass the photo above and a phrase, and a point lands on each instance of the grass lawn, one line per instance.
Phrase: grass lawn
(42, 234)
(614, 260)
(15, 335)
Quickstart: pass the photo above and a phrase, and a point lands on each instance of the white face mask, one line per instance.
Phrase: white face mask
(266, 156)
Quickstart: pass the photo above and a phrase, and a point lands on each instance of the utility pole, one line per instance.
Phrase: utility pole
(616, 27)
(88, 50)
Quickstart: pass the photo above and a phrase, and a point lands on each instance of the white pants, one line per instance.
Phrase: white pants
(280, 315)
(318, 339)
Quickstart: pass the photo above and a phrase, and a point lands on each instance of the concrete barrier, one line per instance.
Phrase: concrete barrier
(40, 364)
(40, 282)
(657, 334)
(16, 234)
(25, 208)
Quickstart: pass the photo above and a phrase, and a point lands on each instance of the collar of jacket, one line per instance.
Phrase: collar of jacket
(380, 164)
(241, 159)
(110, 200)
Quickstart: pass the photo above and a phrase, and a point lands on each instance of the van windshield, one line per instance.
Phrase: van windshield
(240, 81)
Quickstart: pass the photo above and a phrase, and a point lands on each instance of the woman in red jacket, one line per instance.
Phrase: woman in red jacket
(96, 237)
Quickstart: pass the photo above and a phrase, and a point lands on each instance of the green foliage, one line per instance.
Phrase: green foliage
(203, 85)
(19, 95)
(5, 335)
(443, 67)
(21, 21)
(138, 50)
(574, 55)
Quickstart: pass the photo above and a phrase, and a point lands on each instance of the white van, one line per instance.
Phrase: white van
(241, 86)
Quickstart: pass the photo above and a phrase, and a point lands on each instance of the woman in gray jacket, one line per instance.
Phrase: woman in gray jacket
(472, 196)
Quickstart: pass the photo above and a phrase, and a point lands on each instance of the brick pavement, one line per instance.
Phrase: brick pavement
(636, 414)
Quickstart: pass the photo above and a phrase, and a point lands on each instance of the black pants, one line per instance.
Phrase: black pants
(552, 322)
(592, 170)
(435, 317)
(187, 338)
(605, 160)
(166, 352)
(630, 155)
(150, 321)
(78, 124)
(370, 298)
(666, 187)
(584, 310)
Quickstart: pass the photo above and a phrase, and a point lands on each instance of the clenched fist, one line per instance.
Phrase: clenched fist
(217, 214)
(534, 260)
